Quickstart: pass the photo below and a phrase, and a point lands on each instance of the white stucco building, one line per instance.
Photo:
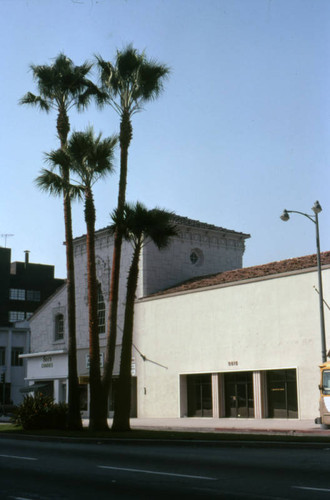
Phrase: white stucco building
(210, 338)
(243, 343)
(199, 249)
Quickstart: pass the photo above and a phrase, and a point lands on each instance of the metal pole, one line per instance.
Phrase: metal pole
(3, 390)
(318, 253)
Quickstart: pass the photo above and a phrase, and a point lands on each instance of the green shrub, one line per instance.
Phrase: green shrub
(40, 412)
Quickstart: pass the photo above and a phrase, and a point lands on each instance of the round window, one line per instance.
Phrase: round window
(196, 257)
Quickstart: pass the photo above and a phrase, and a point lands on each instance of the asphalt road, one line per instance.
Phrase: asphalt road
(48, 470)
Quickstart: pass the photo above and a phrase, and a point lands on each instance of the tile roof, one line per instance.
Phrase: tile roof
(178, 219)
(273, 268)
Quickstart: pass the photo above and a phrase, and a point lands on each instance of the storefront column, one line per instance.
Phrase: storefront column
(215, 394)
(183, 396)
(258, 391)
(218, 395)
(264, 394)
(57, 398)
(222, 402)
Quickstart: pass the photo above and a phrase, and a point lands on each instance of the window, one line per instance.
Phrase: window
(16, 316)
(16, 294)
(15, 359)
(326, 382)
(100, 310)
(59, 327)
(2, 356)
(196, 257)
(193, 257)
(33, 295)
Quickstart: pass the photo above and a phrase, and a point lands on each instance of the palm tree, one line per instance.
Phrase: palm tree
(62, 86)
(139, 226)
(90, 159)
(129, 83)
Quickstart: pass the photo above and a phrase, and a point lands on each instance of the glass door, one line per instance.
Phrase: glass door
(239, 395)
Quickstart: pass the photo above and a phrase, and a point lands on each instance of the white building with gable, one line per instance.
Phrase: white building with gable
(199, 249)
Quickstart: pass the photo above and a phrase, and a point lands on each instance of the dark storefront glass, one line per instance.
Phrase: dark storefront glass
(282, 394)
(199, 389)
(239, 395)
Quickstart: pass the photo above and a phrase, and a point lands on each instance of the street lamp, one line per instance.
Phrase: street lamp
(314, 218)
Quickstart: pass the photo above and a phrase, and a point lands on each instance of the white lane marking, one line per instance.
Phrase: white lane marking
(158, 473)
(19, 458)
(21, 498)
(311, 489)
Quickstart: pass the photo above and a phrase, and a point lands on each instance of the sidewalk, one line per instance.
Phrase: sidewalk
(229, 425)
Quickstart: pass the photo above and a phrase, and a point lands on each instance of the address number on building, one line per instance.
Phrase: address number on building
(47, 362)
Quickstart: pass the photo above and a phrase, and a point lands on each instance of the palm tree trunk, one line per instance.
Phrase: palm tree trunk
(95, 422)
(121, 421)
(74, 417)
(125, 140)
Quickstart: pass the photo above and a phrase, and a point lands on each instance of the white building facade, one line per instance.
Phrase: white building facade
(199, 249)
(242, 344)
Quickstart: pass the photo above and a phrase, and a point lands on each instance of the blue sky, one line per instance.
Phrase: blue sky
(240, 132)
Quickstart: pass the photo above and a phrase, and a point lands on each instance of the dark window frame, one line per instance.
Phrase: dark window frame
(33, 295)
(2, 355)
(59, 326)
(100, 310)
(16, 294)
(15, 353)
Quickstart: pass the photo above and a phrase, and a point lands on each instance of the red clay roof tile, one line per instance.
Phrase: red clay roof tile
(278, 267)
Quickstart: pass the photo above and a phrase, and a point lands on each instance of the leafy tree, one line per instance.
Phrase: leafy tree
(62, 86)
(139, 226)
(89, 158)
(128, 84)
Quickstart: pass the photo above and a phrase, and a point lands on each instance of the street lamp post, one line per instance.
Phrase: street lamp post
(314, 218)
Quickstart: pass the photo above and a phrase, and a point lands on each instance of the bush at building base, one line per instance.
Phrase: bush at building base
(40, 412)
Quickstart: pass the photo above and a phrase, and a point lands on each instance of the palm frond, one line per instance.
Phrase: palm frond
(91, 156)
(58, 158)
(51, 182)
(34, 100)
(56, 185)
(160, 228)
(132, 80)
(94, 91)
(64, 84)
(151, 79)
(128, 63)
(138, 224)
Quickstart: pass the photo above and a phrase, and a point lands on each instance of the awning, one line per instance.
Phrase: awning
(32, 388)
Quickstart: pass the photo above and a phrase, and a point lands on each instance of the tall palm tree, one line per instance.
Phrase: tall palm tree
(128, 84)
(62, 86)
(89, 159)
(139, 226)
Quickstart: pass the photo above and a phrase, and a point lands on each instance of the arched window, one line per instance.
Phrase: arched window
(59, 327)
(100, 310)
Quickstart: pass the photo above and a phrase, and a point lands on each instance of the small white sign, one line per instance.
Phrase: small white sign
(101, 360)
(47, 362)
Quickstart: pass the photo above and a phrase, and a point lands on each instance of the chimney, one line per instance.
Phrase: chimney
(26, 257)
